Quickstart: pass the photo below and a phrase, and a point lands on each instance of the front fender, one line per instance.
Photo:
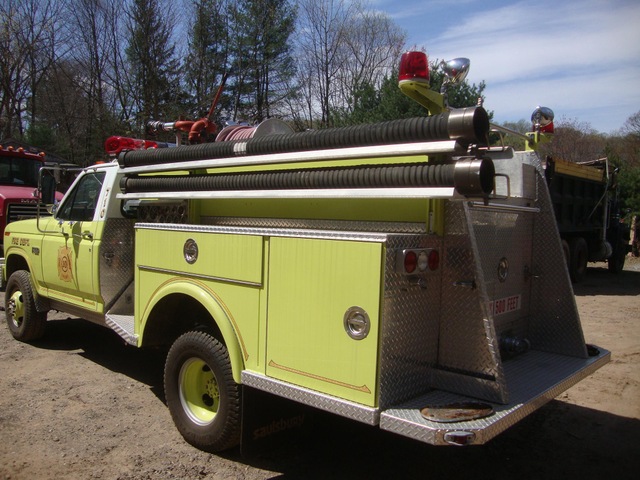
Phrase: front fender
(201, 293)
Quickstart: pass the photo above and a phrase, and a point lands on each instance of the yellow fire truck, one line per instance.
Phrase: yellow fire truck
(402, 274)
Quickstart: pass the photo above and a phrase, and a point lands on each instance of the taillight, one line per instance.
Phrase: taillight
(434, 260)
(410, 262)
(115, 145)
(413, 261)
(414, 66)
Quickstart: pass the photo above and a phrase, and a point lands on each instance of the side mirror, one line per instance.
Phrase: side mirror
(47, 187)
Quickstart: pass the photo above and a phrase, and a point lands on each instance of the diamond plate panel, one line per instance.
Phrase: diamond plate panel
(409, 333)
(116, 259)
(505, 238)
(315, 399)
(556, 323)
(468, 357)
(532, 383)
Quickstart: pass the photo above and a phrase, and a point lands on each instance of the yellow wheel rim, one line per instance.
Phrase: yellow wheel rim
(16, 308)
(199, 393)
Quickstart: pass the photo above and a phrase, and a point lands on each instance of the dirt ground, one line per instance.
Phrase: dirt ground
(80, 405)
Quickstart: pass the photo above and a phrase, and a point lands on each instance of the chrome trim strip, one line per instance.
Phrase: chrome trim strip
(328, 403)
(406, 149)
(380, 226)
(504, 208)
(198, 276)
(413, 192)
(268, 232)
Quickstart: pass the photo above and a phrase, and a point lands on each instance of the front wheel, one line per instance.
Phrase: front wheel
(25, 322)
(201, 394)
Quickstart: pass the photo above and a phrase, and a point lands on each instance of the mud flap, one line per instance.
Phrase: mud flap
(269, 421)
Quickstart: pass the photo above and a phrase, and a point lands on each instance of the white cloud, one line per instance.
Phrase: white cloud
(536, 40)
(576, 56)
(605, 103)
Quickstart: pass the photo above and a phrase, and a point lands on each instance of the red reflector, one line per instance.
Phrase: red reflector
(410, 261)
(434, 260)
(414, 66)
(548, 128)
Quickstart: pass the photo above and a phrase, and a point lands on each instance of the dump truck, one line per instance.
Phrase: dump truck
(586, 205)
(402, 274)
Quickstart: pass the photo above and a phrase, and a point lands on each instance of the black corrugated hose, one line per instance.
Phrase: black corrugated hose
(406, 175)
(468, 125)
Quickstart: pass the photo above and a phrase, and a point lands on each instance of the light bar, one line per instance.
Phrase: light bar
(114, 145)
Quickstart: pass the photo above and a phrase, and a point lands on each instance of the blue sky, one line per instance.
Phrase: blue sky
(581, 58)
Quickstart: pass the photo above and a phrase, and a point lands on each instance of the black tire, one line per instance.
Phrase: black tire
(615, 262)
(578, 259)
(201, 394)
(25, 322)
(566, 251)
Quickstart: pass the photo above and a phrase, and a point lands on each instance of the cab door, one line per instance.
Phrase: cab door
(70, 247)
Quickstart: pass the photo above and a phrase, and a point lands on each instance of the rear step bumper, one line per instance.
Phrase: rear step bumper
(533, 380)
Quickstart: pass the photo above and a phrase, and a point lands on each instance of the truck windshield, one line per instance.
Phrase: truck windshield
(19, 171)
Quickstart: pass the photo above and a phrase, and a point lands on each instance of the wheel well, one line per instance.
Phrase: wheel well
(174, 315)
(14, 263)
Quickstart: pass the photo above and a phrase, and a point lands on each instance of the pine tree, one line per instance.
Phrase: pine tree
(152, 62)
(263, 61)
(208, 56)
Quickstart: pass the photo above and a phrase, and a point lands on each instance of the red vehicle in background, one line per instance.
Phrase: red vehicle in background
(19, 170)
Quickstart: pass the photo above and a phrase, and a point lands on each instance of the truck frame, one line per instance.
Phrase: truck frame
(401, 274)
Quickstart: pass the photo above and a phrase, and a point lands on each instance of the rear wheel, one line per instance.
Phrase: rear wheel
(201, 394)
(25, 322)
(578, 259)
(615, 262)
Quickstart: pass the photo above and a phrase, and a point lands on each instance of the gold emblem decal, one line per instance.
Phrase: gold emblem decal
(64, 264)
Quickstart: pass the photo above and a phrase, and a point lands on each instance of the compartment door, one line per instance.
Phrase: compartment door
(313, 284)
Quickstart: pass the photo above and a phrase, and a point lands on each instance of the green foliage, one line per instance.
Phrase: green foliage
(207, 59)
(153, 63)
(629, 182)
(623, 151)
(389, 103)
(514, 141)
(262, 56)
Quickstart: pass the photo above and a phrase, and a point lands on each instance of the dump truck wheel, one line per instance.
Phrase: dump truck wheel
(578, 259)
(201, 394)
(566, 251)
(615, 262)
(25, 322)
